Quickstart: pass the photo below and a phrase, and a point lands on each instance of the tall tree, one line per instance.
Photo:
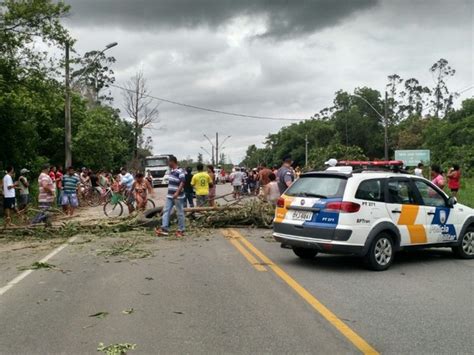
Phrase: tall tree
(140, 108)
(98, 143)
(95, 77)
(442, 99)
(415, 97)
(393, 90)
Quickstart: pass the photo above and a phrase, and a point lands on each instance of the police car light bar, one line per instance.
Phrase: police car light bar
(376, 163)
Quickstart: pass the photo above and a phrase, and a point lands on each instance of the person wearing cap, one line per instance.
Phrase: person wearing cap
(24, 190)
(285, 175)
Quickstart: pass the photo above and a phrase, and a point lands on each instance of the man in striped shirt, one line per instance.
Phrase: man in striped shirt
(174, 198)
(69, 200)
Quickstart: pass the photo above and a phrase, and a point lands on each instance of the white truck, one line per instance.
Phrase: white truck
(157, 165)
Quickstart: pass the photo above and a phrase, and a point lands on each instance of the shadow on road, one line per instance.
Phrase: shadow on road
(344, 263)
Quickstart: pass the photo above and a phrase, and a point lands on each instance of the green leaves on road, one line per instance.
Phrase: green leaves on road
(37, 265)
(99, 315)
(116, 349)
(127, 248)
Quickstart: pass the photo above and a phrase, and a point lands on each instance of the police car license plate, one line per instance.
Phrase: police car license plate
(301, 216)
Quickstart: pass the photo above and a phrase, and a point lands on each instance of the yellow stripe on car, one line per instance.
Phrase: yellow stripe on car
(408, 218)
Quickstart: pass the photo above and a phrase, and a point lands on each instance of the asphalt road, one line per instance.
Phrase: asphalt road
(235, 292)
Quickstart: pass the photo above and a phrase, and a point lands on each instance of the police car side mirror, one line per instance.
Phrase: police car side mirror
(452, 201)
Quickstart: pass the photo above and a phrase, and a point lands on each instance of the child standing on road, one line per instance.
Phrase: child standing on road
(271, 190)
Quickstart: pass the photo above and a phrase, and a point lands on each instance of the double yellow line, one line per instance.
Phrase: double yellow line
(237, 240)
(251, 253)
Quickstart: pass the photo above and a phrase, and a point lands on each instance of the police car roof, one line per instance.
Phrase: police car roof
(356, 174)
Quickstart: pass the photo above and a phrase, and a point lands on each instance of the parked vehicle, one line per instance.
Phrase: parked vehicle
(157, 165)
(372, 214)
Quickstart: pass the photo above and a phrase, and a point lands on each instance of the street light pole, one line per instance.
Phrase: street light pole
(384, 119)
(217, 148)
(213, 148)
(67, 99)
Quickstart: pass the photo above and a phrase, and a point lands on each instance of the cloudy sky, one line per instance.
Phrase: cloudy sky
(277, 58)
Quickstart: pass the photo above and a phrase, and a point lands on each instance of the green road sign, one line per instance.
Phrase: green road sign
(413, 157)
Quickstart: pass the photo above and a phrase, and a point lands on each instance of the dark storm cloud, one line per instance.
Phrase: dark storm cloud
(284, 18)
(204, 53)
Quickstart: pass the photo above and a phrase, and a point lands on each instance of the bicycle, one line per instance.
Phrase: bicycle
(90, 195)
(113, 207)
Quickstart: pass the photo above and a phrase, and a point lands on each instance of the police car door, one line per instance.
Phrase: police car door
(404, 210)
(439, 225)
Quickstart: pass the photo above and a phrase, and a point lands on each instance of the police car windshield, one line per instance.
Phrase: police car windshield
(318, 186)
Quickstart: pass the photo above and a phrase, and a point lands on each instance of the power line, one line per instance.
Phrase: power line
(210, 109)
(240, 114)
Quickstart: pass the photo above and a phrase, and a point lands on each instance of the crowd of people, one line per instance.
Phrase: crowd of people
(184, 187)
(66, 189)
(439, 178)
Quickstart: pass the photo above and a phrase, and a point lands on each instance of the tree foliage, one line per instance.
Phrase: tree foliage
(32, 94)
(418, 117)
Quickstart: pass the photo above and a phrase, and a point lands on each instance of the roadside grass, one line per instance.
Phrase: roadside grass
(466, 193)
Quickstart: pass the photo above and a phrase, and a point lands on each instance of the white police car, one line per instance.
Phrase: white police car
(372, 214)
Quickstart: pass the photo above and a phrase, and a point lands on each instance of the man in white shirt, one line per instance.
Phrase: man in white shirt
(237, 178)
(419, 170)
(8, 195)
(126, 181)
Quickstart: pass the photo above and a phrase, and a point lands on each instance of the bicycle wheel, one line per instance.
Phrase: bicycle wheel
(93, 199)
(107, 196)
(150, 204)
(113, 209)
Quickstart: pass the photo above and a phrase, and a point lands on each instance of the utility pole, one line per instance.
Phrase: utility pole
(217, 148)
(67, 101)
(386, 127)
(306, 151)
(67, 113)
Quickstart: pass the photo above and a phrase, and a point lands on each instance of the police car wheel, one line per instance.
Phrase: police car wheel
(305, 253)
(380, 255)
(465, 250)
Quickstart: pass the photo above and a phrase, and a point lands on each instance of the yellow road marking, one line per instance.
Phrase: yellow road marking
(250, 258)
(343, 328)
